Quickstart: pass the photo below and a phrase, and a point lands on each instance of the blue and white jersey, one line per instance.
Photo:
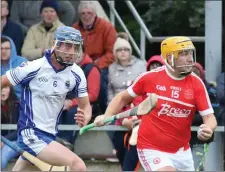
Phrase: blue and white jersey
(44, 90)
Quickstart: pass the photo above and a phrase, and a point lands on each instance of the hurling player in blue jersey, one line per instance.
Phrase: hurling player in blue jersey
(45, 83)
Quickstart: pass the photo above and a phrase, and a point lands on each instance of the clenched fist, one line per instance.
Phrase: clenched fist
(204, 132)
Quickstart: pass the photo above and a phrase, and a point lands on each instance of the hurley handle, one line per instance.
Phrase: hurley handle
(11, 145)
(92, 125)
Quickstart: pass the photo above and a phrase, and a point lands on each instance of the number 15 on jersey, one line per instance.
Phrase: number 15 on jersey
(175, 94)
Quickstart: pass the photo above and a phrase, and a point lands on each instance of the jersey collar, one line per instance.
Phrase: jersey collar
(173, 77)
(48, 57)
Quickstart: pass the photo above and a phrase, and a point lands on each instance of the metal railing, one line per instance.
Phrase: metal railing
(144, 31)
(147, 32)
(98, 135)
(114, 12)
(103, 128)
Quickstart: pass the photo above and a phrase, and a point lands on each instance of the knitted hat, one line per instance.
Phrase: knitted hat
(50, 3)
(121, 43)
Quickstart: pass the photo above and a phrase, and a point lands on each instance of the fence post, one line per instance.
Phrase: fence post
(213, 39)
(214, 158)
(142, 44)
(112, 16)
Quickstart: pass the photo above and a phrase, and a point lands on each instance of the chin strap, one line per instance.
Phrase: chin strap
(53, 48)
(184, 74)
(168, 66)
(58, 58)
(60, 61)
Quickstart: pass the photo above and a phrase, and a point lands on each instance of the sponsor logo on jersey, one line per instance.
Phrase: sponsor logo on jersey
(43, 79)
(52, 99)
(161, 88)
(67, 84)
(188, 94)
(175, 112)
(156, 160)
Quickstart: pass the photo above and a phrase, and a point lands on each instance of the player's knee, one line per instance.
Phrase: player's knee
(78, 165)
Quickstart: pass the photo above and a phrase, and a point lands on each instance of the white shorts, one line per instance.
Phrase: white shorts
(34, 140)
(152, 160)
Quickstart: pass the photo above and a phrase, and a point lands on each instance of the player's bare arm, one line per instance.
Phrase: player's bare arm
(118, 102)
(210, 121)
(84, 111)
(206, 129)
(5, 81)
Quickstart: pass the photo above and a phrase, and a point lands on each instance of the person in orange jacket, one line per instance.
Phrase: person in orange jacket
(99, 37)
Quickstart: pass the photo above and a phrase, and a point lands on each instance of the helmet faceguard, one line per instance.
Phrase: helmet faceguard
(68, 45)
(180, 51)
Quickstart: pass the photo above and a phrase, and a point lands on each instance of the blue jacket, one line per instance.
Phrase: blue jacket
(14, 61)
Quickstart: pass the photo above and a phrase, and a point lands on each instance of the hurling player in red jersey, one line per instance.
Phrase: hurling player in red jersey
(164, 133)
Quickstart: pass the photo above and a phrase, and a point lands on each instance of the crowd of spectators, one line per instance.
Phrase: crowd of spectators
(27, 30)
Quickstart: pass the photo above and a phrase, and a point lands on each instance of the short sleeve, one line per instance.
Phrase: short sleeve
(26, 71)
(80, 88)
(137, 88)
(203, 103)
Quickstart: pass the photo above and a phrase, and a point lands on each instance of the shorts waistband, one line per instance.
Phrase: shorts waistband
(37, 130)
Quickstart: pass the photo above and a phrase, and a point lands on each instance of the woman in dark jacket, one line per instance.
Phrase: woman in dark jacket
(9, 115)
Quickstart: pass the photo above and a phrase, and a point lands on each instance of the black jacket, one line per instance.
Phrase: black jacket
(15, 32)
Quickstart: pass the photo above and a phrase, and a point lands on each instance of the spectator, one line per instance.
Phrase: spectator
(122, 73)
(97, 6)
(9, 115)
(92, 74)
(11, 29)
(220, 88)
(210, 86)
(40, 36)
(197, 146)
(99, 37)
(125, 68)
(123, 35)
(99, 10)
(220, 95)
(9, 6)
(154, 62)
(28, 12)
(10, 59)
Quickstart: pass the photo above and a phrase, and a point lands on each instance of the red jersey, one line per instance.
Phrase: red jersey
(168, 127)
